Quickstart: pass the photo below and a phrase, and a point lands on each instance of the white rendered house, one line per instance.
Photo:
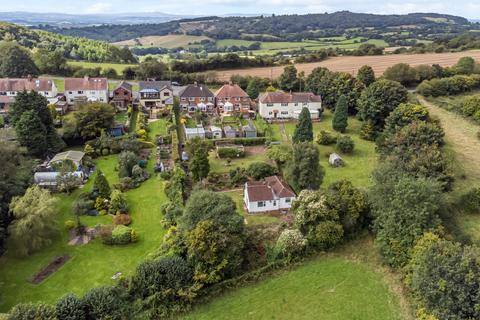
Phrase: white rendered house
(271, 194)
(283, 105)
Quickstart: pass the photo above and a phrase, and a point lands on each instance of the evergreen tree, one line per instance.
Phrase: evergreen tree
(15, 61)
(304, 129)
(31, 133)
(101, 185)
(304, 170)
(340, 116)
(366, 75)
(252, 89)
(199, 165)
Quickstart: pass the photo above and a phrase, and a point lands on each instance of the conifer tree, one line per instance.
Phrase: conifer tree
(303, 130)
(101, 185)
(340, 116)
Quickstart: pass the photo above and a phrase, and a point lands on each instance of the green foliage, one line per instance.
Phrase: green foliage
(465, 65)
(379, 99)
(70, 307)
(367, 132)
(471, 200)
(280, 154)
(118, 203)
(288, 80)
(366, 75)
(340, 116)
(101, 185)
(35, 221)
(24, 311)
(405, 114)
(226, 152)
(471, 106)
(325, 138)
(51, 62)
(260, 170)
(291, 244)
(105, 303)
(253, 89)
(304, 170)
(70, 224)
(174, 188)
(31, 133)
(345, 144)
(404, 208)
(304, 129)
(93, 118)
(449, 86)
(151, 69)
(401, 72)
(126, 161)
(15, 61)
(67, 181)
(121, 235)
(199, 165)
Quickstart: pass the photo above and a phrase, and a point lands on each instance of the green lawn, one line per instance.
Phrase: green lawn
(116, 66)
(92, 264)
(221, 165)
(330, 287)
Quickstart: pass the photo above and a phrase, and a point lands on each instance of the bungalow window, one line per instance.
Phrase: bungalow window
(261, 204)
(288, 200)
(166, 94)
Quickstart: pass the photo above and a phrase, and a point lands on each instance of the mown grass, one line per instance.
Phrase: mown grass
(222, 166)
(349, 283)
(92, 264)
(103, 65)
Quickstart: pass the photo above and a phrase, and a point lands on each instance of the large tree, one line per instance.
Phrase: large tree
(35, 221)
(151, 68)
(288, 80)
(304, 170)
(340, 116)
(199, 165)
(32, 134)
(366, 75)
(50, 62)
(253, 89)
(401, 72)
(15, 61)
(304, 129)
(93, 118)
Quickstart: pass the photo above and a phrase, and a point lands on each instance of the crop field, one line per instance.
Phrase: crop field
(168, 41)
(116, 66)
(352, 64)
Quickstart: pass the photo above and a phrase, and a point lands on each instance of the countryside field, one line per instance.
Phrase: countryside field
(116, 66)
(169, 41)
(352, 64)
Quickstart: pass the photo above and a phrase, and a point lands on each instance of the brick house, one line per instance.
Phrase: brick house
(122, 96)
(231, 98)
(197, 97)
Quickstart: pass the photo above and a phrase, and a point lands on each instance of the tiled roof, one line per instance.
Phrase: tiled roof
(230, 90)
(196, 90)
(280, 187)
(125, 85)
(94, 84)
(290, 97)
(155, 85)
(270, 188)
(26, 84)
(259, 192)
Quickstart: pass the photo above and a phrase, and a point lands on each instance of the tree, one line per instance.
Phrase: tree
(404, 208)
(15, 61)
(67, 181)
(32, 134)
(93, 118)
(288, 79)
(304, 129)
(105, 303)
(280, 154)
(290, 244)
(401, 72)
(32, 311)
(50, 62)
(199, 165)
(445, 278)
(150, 68)
(35, 221)
(100, 185)
(126, 161)
(405, 114)
(379, 99)
(340, 116)
(465, 65)
(260, 170)
(118, 203)
(304, 170)
(70, 307)
(366, 75)
(253, 89)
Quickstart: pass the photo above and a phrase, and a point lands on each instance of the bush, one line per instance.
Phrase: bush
(230, 153)
(118, 204)
(121, 235)
(27, 311)
(367, 132)
(106, 233)
(260, 170)
(291, 244)
(101, 204)
(83, 206)
(126, 161)
(345, 144)
(470, 106)
(471, 200)
(238, 176)
(325, 138)
(70, 307)
(104, 303)
(122, 218)
(70, 224)
(126, 184)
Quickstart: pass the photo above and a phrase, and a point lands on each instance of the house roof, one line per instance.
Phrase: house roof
(124, 85)
(290, 97)
(154, 85)
(86, 83)
(27, 84)
(270, 188)
(196, 90)
(75, 156)
(230, 90)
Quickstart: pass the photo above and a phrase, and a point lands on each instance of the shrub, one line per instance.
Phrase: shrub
(230, 153)
(118, 202)
(126, 161)
(345, 144)
(138, 174)
(291, 244)
(238, 176)
(104, 303)
(83, 206)
(122, 218)
(126, 184)
(470, 105)
(121, 235)
(27, 311)
(70, 224)
(471, 200)
(325, 138)
(367, 131)
(260, 170)
(70, 307)
(106, 233)
(101, 204)
(142, 134)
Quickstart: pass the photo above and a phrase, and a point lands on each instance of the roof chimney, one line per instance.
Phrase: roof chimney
(29, 77)
(86, 77)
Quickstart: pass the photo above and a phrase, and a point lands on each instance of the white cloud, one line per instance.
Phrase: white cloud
(99, 7)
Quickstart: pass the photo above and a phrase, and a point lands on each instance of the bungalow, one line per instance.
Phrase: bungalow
(9, 88)
(197, 97)
(233, 94)
(271, 194)
(86, 89)
(155, 96)
(282, 105)
(122, 96)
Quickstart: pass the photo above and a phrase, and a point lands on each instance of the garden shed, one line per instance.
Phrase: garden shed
(249, 130)
(229, 132)
(335, 160)
(216, 132)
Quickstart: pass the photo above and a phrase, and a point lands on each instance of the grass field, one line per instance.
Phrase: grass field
(92, 264)
(169, 41)
(116, 66)
(352, 64)
(347, 284)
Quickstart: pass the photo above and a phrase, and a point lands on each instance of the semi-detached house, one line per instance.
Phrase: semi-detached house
(81, 90)
(288, 105)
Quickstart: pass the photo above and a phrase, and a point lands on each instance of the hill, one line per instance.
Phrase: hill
(290, 27)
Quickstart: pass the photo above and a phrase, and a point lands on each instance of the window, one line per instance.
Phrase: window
(261, 204)
(46, 93)
(269, 104)
(210, 99)
(284, 112)
(270, 113)
(296, 104)
(284, 104)
(183, 99)
(288, 200)
(274, 202)
(238, 99)
(305, 103)
(70, 92)
(191, 99)
(80, 92)
(166, 94)
(202, 99)
(92, 92)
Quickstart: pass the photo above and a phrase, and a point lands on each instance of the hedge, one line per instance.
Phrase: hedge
(230, 153)
(449, 86)
(244, 141)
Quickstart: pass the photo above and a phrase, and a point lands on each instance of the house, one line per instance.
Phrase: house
(9, 88)
(288, 105)
(197, 97)
(122, 96)
(86, 89)
(249, 130)
(198, 131)
(233, 94)
(229, 132)
(335, 160)
(155, 96)
(271, 194)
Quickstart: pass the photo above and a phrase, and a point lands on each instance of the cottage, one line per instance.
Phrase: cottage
(197, 97)
(335, 160)
(271, 194)
(231, 98)
(198, 131)
(229, 132)
(122, 96)
(155, 96)
(82, 90)
(281, 105)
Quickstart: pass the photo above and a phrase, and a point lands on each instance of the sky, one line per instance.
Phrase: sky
(465, 8)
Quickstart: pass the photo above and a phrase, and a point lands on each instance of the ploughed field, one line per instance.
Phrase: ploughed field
(352, 64)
